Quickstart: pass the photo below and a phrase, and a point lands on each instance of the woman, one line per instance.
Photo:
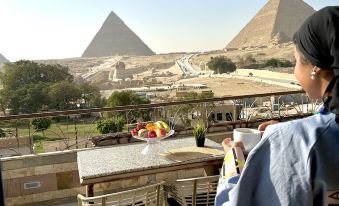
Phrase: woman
(297, 162)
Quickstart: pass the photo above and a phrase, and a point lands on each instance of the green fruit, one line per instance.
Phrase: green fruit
(165, 125)
(158, 124)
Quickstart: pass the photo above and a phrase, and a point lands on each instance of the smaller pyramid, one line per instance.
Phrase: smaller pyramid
(3, 59)
(115, 38)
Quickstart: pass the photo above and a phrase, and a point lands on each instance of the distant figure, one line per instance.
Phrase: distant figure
(297, 162)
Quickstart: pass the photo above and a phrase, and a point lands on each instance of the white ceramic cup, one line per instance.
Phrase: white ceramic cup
(249, 137)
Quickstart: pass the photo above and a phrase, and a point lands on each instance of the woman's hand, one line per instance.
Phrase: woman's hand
(263, 126)
(227, 145)
(234, 160)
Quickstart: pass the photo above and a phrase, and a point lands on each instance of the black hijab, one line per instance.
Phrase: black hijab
(318, 40)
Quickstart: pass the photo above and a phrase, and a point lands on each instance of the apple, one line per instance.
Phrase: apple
(161, 124)
(140, 126)
(134, 132)
(161, 132)
(152, 134)
(142, 133)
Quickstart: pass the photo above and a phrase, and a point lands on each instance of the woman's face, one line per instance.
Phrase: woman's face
(303, 74)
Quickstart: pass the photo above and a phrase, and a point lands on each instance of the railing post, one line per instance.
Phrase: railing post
(30, 138)
(76, 134)
(103, 201)
(194, 195)
(2, 197)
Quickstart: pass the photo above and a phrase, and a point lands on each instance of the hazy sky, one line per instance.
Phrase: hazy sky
(50, 29)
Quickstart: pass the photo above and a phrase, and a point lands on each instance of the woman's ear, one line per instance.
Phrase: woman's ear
(316, 69)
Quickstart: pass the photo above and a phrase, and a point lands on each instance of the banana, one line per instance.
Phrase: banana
(165, 125)
(158, 124)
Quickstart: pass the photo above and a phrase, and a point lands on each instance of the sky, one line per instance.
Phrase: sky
(55, 29)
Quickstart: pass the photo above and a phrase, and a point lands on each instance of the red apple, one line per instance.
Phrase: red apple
(152, 134)
(140, 126)
(134, 132)
(161, 132)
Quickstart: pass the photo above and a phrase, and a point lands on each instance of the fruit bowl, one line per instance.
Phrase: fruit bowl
(170, 133)
(152, 133)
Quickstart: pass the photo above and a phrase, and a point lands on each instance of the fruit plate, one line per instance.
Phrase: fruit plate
(170, 133)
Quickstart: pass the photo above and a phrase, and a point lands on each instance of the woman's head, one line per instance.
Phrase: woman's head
(317, 55)
(314, 80)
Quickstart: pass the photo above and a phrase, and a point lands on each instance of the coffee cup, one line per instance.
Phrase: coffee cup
(249, 137)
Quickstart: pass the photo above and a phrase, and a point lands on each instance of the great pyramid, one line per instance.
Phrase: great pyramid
(275, 23)
(2, 59)
(115, 38)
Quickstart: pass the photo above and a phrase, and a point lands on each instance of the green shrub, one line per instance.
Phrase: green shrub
(278, 63)
(2, 133)
(221, 65)
(41, 124)
(109, 125)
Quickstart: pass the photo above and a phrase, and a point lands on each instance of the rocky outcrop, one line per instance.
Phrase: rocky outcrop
(275, 23)
(115, 38)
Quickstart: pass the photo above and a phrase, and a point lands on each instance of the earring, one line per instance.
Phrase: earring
(313, 73)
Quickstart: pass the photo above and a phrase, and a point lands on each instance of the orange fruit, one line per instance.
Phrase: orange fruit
(151, 127)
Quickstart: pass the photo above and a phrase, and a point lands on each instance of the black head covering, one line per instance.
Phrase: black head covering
(318, 40)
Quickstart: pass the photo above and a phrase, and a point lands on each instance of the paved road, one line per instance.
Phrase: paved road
(292, 82)
(188, 70)
(107, 66)
(186, 67)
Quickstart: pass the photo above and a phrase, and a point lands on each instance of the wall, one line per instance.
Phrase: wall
(57, 173)
(11, 146)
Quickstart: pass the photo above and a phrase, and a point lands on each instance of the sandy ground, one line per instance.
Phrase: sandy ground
(280, 52)
(227, 86)
(221, 86)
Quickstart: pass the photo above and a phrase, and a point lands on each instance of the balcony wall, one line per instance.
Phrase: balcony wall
(58, 175)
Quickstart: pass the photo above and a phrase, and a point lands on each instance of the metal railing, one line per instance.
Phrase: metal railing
(76, 128)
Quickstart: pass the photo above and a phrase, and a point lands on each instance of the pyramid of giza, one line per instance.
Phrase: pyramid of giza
(3, 59)
(275, 23)
(115, 38)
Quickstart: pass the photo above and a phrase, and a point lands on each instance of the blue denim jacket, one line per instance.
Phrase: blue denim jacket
(295, 163)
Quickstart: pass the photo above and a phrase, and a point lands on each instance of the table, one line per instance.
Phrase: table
(125, 161)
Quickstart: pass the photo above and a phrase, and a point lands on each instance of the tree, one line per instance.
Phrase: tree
(90, 94)
(277, 63)
(98, 102)
(3, 102)
(221, 64)
(125, 98)
(24, 72)
(41, 124)
(25, 85)
(63, 95)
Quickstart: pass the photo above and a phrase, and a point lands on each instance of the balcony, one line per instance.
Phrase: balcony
(43, 164)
